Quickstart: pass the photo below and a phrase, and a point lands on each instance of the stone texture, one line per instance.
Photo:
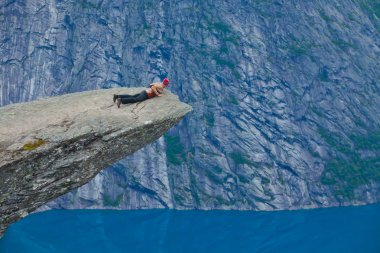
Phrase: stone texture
(276, 86)
(50, 146)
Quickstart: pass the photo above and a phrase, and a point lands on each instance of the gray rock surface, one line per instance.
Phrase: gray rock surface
(286, 95)
(50, 146)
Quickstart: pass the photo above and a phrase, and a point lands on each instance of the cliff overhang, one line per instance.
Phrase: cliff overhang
(51, 146)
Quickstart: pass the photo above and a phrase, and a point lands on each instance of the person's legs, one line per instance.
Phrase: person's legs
(127, 96)
(142, 96)
(132, 99)
(136, 95)
(115, 96)
(135, 98)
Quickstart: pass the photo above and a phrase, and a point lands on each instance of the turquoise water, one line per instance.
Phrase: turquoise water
(332, 230)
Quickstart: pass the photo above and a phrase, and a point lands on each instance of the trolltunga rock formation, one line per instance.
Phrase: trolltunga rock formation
(50, 146)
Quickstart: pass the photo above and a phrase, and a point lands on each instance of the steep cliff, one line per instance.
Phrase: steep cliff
(286, 95)
(50, 146)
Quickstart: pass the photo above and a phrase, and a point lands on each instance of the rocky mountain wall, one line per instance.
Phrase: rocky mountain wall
(285, 95)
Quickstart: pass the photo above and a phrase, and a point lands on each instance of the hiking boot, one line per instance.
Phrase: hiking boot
(115, 97)
(118, 102)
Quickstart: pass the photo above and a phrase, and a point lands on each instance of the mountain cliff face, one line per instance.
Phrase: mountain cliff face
(286, 95)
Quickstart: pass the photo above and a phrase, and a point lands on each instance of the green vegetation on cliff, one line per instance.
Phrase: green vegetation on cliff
(174, 149)
(109, 201)
(350, 168)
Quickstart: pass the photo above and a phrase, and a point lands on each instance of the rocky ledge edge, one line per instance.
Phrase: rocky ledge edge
(51, 146)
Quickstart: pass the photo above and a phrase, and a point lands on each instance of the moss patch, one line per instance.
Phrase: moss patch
(240, 158)
(175, 153)
(210, 120)
(86, 4)
(223, 62)
(265, 180)
(233, 100)
(31, 145)
(344, 45)
(213, 177)
(372, 7)
(108, 201)
(324, 16)
(323, 75)
(348, 170)
(225, 31)
(297, 50)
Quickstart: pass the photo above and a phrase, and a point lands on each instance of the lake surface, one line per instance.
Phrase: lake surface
(345, 229)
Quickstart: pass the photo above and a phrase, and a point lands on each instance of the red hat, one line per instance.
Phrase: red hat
(166, 82)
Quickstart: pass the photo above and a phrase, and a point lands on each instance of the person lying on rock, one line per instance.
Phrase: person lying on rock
(155, 89)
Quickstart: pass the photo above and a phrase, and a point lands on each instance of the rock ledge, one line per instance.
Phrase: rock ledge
(50, 146)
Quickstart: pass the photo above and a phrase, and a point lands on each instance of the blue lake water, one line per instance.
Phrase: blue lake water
(332, 230)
